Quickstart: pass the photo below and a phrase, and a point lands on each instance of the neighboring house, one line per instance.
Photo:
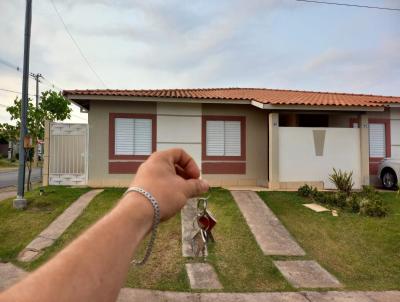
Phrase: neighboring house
(241, 136)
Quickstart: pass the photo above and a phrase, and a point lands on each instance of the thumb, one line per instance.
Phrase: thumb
(196, 187)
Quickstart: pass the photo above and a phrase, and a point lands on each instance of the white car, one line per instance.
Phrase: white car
(388, 172)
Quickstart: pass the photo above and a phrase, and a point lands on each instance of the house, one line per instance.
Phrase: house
(240, 136)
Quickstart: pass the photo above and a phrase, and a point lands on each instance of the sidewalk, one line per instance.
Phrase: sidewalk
(9, 274)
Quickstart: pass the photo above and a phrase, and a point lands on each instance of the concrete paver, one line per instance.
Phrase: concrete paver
(315, 207)
(384, 296)
(188, 214)
(306, 274)
(9, 274)
(47, 237)
(336, 296)
(270, 234)
(202, 276)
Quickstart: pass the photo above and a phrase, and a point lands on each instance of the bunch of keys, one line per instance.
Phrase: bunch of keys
(205, 222)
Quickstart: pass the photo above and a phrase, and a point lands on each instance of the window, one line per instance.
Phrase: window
(223, 138)
(377, 140)
(133, 136)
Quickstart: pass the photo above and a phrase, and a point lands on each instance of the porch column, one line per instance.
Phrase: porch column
(273, 147)
(46, 154)
(364, 149)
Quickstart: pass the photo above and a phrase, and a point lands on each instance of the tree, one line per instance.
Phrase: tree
(53, 107)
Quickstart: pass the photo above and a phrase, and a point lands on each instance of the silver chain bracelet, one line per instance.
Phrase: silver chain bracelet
(156, 222)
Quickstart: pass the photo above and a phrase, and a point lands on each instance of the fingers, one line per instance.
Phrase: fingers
(185, 161)
(195, 187)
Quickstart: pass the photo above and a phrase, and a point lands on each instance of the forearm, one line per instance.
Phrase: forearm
(93, 267)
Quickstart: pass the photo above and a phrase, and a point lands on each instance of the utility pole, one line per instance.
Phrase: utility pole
(20, 201)
(37, 77)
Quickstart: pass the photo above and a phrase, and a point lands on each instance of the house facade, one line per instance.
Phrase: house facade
(240, 137)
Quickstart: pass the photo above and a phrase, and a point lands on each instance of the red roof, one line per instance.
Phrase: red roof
(262, 95)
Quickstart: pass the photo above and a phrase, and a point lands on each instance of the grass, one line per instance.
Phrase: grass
(5, 163)
(363, 252)
(18, 228)
(240, 264)
(165, 268)
(238, 260)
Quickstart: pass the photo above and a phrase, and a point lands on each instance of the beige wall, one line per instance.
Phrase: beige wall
(256, 139)
(179, 126)
(256, 145)
(98, 140)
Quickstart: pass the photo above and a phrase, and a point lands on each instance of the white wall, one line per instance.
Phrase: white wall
(298, 162)
(179, 125)
(395, 132)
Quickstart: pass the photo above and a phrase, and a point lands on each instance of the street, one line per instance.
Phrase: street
(10, 178)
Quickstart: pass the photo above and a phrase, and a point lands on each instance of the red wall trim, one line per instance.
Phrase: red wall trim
(111, 135)
(374, 161)
(123, 167)
(242, 120)
(223, 168)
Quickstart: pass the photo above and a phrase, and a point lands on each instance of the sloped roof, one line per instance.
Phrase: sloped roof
(261, 95)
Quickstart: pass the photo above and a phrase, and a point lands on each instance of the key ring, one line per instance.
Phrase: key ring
(202, 204)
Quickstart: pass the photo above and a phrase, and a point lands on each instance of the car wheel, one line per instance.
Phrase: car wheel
(389, 180)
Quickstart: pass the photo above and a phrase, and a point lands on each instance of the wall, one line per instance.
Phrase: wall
(395, 132)
(179, 125)
(339, 147)
(98, 140)
(256, 145)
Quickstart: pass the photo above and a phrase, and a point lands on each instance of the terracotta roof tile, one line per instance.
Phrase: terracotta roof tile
(262, 95)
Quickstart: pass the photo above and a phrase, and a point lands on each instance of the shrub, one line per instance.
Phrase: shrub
(353, 203)
(306, 191)
(372, 207)
(342, 180)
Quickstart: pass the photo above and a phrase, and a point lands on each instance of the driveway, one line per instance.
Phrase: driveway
(10, 178)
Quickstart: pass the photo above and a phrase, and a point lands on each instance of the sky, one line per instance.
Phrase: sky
(138, 44)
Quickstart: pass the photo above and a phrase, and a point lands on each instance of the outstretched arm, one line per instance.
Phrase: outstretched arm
(95, 265)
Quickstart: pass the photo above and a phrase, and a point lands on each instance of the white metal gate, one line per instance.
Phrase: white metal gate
(68, 154)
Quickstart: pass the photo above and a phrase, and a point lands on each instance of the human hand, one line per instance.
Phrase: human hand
(172, 177)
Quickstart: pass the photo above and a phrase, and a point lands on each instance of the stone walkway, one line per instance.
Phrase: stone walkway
(306, 274)
(274, 239)
(201, 275)
(47, 237)
(270, 234)
(188, 214)
(9, 274)
(130, 295)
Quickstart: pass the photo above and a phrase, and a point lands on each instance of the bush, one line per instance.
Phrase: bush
(342, 180)
(353, 203)
(372, 207)
(368, 202)
(306, 191)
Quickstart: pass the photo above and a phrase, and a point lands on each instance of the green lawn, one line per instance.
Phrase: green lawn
(18, 228)
(239, 262)
(5, 163)
(363, 252)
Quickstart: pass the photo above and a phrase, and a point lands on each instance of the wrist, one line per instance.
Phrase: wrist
(139, 210)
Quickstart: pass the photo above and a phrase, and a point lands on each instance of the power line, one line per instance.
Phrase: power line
(17, 68)
(13, 91)
(10, 65)
(77, 46)
(351, 5)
